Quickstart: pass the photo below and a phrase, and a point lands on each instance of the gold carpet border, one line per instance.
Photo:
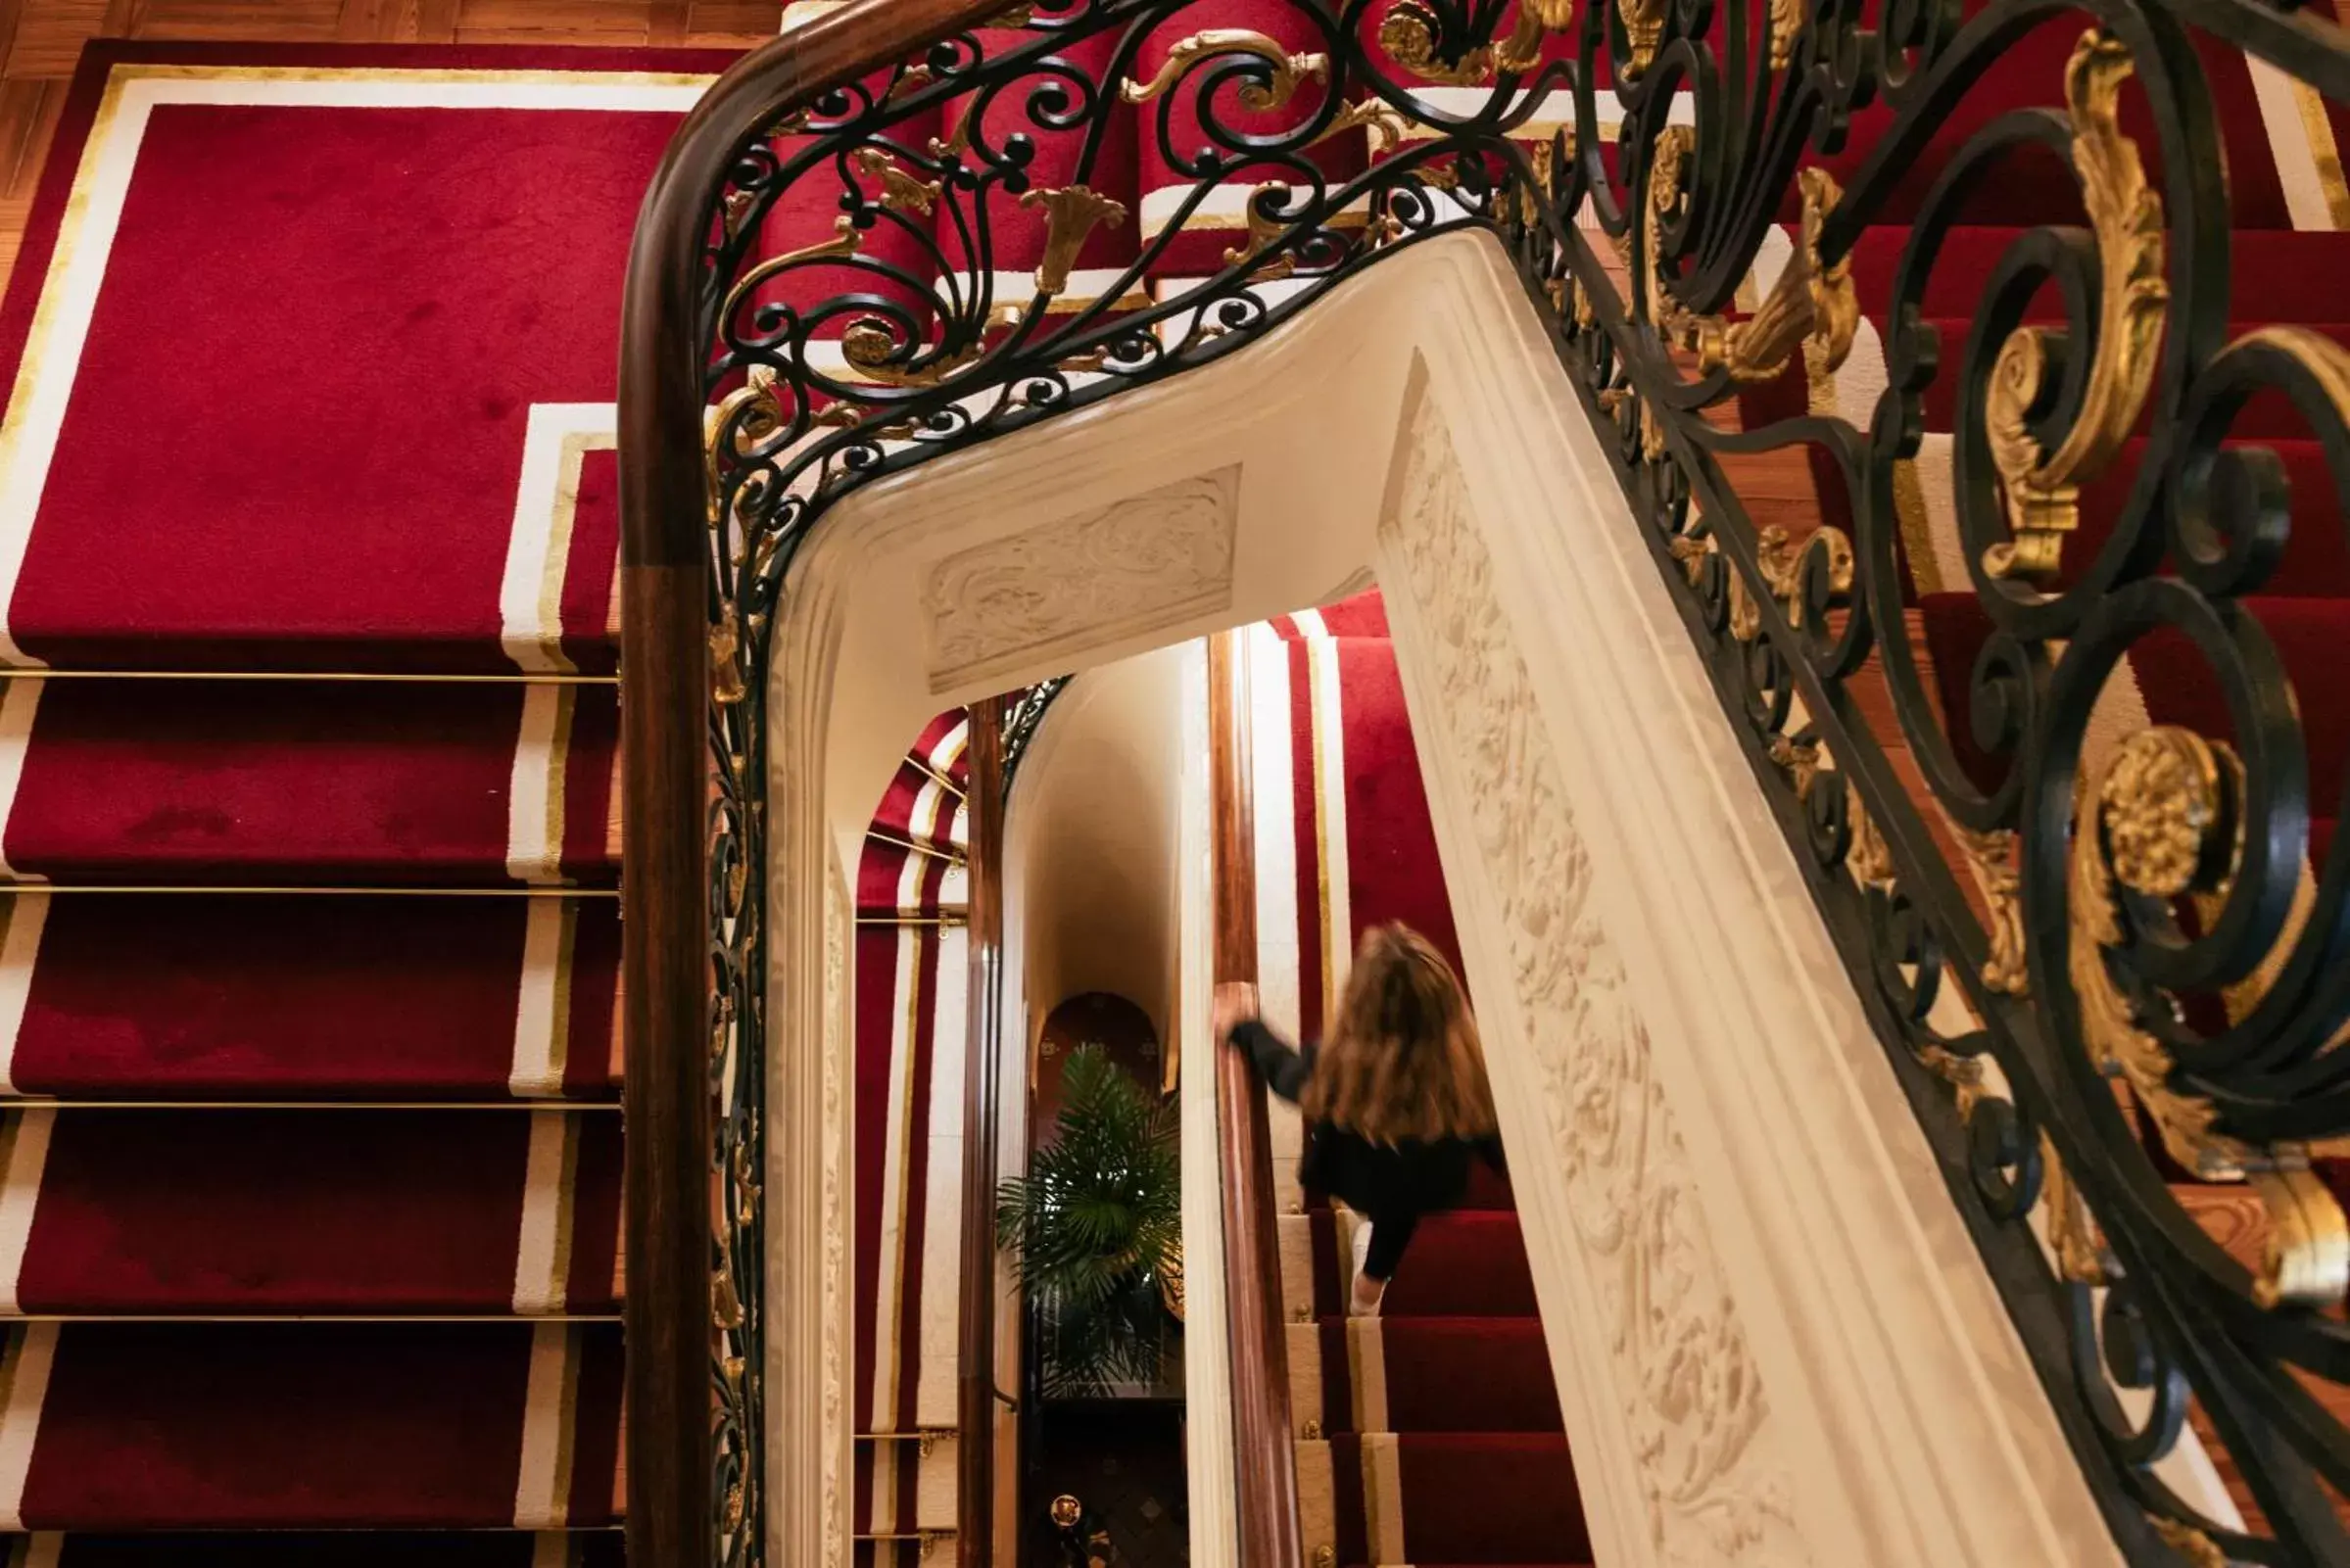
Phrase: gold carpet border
(7, 888)
(600, 1107)
(32, 672)
(156, 70)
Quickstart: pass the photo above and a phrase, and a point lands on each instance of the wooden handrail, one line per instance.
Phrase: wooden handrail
(1264, 1448)
(982, 1079)
(666, 598)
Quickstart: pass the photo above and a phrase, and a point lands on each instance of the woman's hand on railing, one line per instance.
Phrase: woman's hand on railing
(1235, 1005)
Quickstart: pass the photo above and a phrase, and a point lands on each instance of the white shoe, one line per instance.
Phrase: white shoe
(1362, 1250)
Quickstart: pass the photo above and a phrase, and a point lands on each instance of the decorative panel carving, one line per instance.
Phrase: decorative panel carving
(1145, 565)
(1690, 1393)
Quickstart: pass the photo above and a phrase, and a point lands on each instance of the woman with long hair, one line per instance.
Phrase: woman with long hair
(1395, 1100)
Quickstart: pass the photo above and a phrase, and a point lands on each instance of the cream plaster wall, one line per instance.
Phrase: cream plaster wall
(1772, 1338)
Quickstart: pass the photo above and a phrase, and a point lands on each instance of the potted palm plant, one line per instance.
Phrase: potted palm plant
(1097, 1231)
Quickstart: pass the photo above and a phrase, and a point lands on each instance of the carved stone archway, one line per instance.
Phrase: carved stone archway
(1773, 1339)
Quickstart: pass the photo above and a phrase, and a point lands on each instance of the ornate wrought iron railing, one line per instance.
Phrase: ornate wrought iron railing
(891, 237)
(1023, 712)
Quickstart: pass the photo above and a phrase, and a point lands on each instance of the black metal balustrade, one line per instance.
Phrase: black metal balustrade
(1023, 712)
(2143, 914)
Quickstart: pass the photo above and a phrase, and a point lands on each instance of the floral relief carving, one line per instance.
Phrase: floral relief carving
(1147, 563)
(838, 917)
(1686, 1376)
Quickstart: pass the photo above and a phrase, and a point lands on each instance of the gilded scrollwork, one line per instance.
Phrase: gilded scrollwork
(2144, 824)
(1072, 213)
(1813, 303)
(1411, 32)
(1286, 72)
(2155, 822)
(2081, 1253)
(1784, 563)
(1644, 31)
(2043, 487)
(1523, 51)
(1991, 861)
(900, 190)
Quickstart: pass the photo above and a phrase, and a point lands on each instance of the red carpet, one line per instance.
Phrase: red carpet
(347, 948)
(910, 976)
(1440, 1436)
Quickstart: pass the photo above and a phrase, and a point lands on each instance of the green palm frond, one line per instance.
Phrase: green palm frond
(1088, 1225)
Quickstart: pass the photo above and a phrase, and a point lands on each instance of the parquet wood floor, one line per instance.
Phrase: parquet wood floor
(41, 39)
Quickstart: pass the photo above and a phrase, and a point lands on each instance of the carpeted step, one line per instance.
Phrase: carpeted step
(1483, 1497)
(1436, 1374)
(318, 1210)
(435, 490)
(385, 1548)
(309, 783)
(192, 996)
(2286, 274)
(315, 1426)
(2268, 418)
(2038, 187)
(2178, 684)
(1468, 1263)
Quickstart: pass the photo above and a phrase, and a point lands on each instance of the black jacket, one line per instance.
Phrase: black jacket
(1391, 1184)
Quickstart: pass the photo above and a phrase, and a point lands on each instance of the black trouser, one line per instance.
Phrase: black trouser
(1285, 1072)
(1390, 1233)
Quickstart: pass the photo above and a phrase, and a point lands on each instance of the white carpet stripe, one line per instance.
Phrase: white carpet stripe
(543, 1491)
(542, 1009)
(530, 597)
(890, 1295)
(1275, 784)
(534, 851)
(1086, 286)
(25, 916)
(24, 1154)
(941, 1287)
(1329, 800)
(18, 709)
(1278, 960)
(2310, 198)
(1366, 1369)
(542, 1253)
(1383, 1499)
(23, 1385)
(1225, 207)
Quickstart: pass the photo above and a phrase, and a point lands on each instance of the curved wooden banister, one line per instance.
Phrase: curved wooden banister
(982, 1076)
(1264, 1449)
(665, 596)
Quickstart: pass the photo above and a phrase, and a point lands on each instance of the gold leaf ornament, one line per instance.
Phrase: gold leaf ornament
(1408, 33)
(2042, 487)
(1290, 71)
(1523, 51)
(1812, 303)
(1071, 214)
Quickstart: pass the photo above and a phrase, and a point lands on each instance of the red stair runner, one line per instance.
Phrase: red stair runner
(1441, 1415)
(324, 1240)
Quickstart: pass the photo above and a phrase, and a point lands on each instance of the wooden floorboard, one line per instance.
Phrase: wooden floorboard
(40, 41)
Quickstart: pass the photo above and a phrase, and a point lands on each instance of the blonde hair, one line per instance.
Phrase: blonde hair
(1402, 1060)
